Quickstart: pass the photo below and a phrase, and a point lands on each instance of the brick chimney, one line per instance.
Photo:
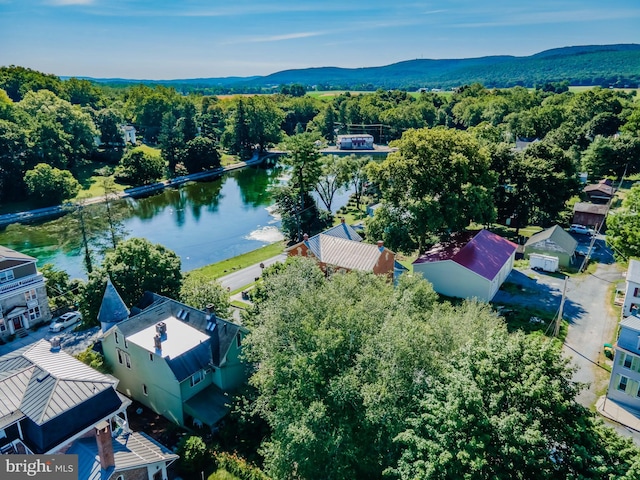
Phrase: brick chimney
(380, 245)
(105, 445)
(342, 220)
(305, 237)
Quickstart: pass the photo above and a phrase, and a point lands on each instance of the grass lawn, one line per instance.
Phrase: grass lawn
(220, 269)
(227, 159)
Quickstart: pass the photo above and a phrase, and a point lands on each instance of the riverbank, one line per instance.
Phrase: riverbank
(135, 192)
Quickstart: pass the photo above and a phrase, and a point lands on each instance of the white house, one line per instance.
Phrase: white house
(128, 134)
(468, 265)
(632, 290)
(625, 375)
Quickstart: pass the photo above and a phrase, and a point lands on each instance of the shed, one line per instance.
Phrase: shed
(600, 192)
(468, 265)
(590, 214)
(554, 242)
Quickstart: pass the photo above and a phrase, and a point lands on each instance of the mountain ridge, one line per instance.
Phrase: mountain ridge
(580, 65)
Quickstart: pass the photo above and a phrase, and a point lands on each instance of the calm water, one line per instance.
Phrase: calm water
(202, 222)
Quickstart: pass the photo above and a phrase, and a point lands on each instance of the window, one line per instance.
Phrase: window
(6, 276)
(144, 389)
(123, 358)
(622, 384)
(197, 377)
(238, 340)
(3, 326)
(30, 295)
(126, 345)
(627, 361)
(115, 335)
(151, 356)
(34, 313)
(636, 291)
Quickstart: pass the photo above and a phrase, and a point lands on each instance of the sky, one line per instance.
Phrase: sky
(173, 39)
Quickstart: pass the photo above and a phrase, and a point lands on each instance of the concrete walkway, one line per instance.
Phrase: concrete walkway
(618, 414)
(57, 210)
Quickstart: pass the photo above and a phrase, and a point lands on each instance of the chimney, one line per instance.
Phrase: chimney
(55, 344)
(380, 245)
(157, 342)
(305, 237)
(342, 220)
(161, 328)
(105, 445)
(209, 310)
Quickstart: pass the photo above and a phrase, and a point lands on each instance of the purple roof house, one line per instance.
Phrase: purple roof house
(468, 265)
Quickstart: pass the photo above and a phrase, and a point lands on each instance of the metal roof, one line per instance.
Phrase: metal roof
(347, 253)
(557, 235)
(633, 272)
(632, 322)
(131, 451)
(585, 207)
(485, 253)
(43, 384)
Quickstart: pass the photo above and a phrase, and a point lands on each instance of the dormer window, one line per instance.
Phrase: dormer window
(6, 276)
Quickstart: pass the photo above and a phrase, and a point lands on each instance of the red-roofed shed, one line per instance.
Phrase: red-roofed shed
(468, 265)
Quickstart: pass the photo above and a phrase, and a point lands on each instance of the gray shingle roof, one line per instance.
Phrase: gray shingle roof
(130, 451)
(556, 235)
(112, 309)
(43, 384)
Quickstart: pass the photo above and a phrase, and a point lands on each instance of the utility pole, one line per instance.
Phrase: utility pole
(556, 330)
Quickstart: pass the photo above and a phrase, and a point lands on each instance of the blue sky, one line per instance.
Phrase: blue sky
(163, 39)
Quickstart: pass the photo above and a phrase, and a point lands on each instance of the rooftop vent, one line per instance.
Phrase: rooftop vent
(157, 342)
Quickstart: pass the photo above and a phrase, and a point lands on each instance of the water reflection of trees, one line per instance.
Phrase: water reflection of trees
(204, 194)
(256, 183)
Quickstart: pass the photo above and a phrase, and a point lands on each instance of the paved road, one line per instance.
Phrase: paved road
(248, 275)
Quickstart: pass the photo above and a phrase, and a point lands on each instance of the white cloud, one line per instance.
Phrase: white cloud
(273, 38)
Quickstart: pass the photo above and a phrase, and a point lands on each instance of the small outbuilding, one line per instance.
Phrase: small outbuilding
(355, 142)
(600, 192)
(468, 265)
(590, 215)
(553, 242)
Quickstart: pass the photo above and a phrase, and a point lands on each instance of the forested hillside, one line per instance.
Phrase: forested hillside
(602, 65)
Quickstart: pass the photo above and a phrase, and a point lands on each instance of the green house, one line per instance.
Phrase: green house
(179, 361)
(554, 242)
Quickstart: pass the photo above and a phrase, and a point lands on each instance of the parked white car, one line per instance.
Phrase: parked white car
(581, 229)
(65, 320)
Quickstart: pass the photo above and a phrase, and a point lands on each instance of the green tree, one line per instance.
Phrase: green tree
(62, 292)
(81, 92)
(50, 186)
(200, 154)
(304, 158)
(140, 168)
(13, 149)
(193, 454)
(137, 265)
(437, 182)
(295, 221)
(236, 136)
(335, 174)
(623, 226)
(199, 293)
(488, 417)
(62, 135)
(108, 121)
(612, 156)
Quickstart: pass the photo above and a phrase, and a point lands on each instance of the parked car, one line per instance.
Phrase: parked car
(66, 320)
(581, 229)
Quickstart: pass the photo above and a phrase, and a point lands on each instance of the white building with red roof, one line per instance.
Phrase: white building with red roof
(468, 265)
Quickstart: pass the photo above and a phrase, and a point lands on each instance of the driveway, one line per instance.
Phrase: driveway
(592, 320)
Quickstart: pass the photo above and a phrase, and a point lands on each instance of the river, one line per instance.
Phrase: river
(203, 222)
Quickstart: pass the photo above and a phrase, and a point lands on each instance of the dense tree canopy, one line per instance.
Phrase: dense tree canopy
(438, 181)
(50, 186)
(139, 167)
(350, 391)
(623, 226)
